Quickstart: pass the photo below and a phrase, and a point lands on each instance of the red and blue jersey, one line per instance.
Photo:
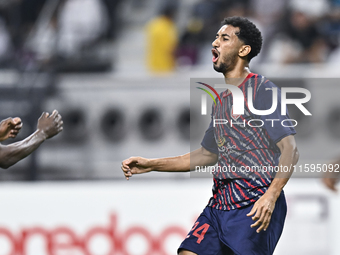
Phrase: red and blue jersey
(245, 144)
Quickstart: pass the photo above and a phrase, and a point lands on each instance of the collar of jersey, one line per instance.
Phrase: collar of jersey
(225, 94)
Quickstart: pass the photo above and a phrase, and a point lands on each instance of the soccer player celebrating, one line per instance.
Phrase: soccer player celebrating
(247, 211)
(48, 126)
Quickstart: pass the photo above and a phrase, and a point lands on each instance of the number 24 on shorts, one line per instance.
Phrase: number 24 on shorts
(204, 228)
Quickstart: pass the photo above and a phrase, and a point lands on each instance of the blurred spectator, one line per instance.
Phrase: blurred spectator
(162, 39)
(204, 21)
(113, 20)
(10, 30)
(313, 9)
(298, 40)
(189, 45)
(302, 30)
(331, 28)
(267, 12)
(5, 44)
(266, 15)
(294, 31)
(207, 13)
(35, 32)
(77, 30)
(66, 35)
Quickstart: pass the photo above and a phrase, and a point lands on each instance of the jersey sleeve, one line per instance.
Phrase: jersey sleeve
(209, 142)
(273, 122)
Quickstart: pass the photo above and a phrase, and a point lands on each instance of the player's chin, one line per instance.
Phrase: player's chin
(217, 67)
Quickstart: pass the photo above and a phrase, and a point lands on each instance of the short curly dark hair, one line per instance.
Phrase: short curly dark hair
(249, 34)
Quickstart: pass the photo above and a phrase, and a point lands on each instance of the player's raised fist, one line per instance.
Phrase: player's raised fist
(9, 128)
(50, 125)
(135, 165)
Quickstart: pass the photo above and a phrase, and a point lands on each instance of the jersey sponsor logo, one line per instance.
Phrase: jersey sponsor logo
(227, 149)
(220, 141)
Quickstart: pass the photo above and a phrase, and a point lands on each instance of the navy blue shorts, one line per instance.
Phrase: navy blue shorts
(218, 232)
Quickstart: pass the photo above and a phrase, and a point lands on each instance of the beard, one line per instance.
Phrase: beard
(227, 63)
(221, 68)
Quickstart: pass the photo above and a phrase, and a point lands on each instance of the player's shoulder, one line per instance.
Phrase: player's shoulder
(262, 82)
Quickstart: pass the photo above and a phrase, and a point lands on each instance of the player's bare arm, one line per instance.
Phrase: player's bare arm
(184, 252)
(331, 178)
(47, 127)
(183, 163)
(9, 128)
(262, 210)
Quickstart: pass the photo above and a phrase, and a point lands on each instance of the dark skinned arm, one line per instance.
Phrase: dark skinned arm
(9, 128)
(48, 126)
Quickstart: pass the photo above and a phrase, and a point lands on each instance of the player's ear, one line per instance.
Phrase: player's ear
(244, 50)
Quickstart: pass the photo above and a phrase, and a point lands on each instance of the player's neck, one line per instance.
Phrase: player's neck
(236, 76)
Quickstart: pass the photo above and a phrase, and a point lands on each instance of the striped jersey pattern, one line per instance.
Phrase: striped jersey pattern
(241, 145)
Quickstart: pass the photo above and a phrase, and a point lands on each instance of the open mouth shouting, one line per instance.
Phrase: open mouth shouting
(215, 54)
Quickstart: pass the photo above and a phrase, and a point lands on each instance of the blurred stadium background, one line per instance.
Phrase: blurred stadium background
(97, 62)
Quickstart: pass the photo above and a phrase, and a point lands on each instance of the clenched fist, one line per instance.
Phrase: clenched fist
(50, 125)
(135, 165)
(9, 128)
